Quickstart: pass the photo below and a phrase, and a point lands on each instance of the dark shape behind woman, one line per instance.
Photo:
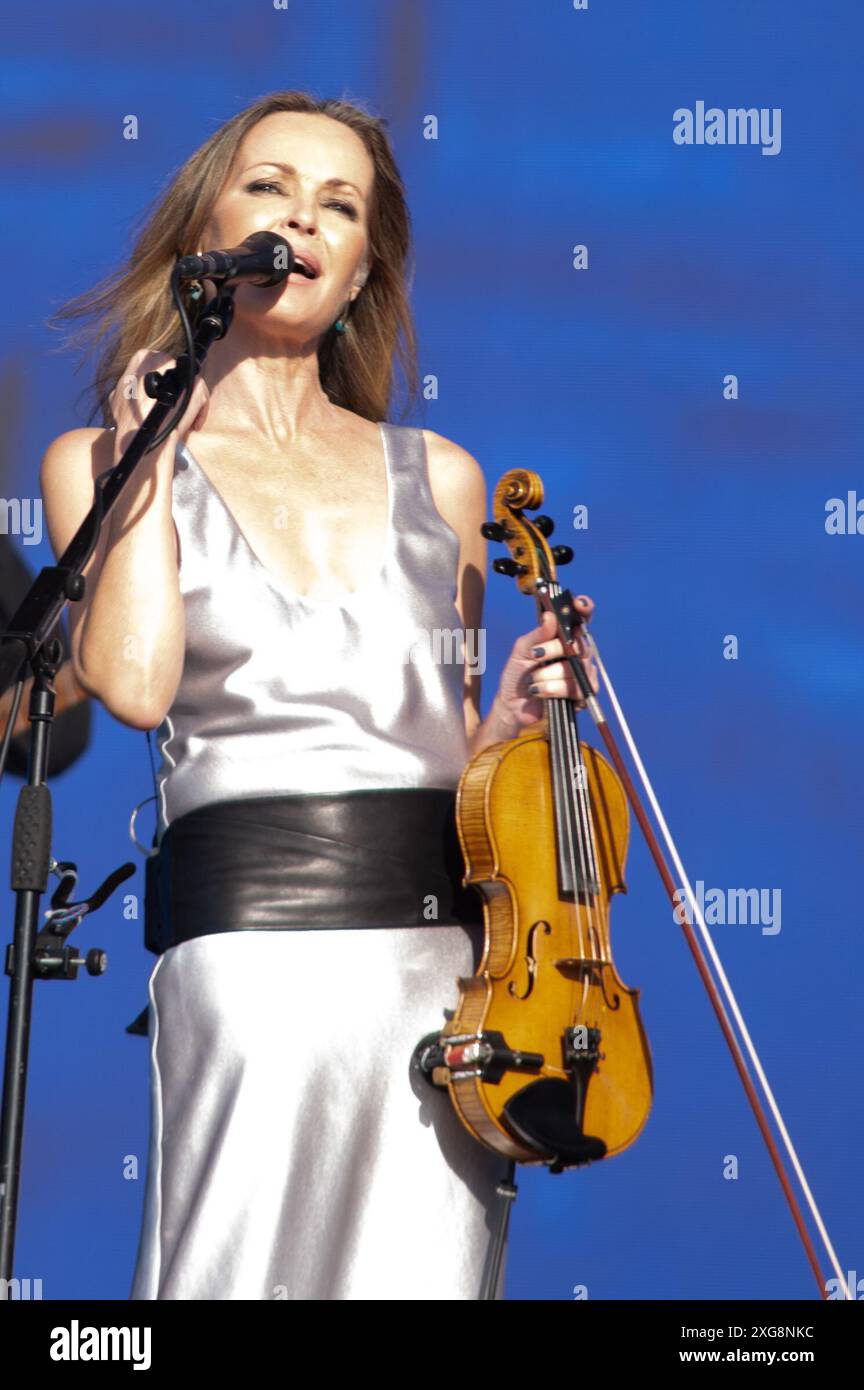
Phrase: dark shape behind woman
(70, 732)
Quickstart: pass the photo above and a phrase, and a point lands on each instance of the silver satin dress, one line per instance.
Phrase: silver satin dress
(293, 1154)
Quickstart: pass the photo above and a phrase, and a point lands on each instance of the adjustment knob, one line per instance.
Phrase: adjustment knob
(96, 961)
(545, 525)
(562, 554)
(493, 530)
(508, 567)
(73, 586)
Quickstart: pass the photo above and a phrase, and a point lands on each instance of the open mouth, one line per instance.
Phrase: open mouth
(302, 267)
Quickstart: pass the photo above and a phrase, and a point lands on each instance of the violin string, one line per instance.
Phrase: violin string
(579, 809)
(721, 974)
(564, 765)
(560, 769)
(566, 755)
(595, 909)
(561, 773)
(592, 841)
(587, 813)
(575, 761)
(579, 787)
(588, 855)
(594, 861)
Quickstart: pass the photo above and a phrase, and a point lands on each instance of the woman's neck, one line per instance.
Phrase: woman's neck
(268, 388)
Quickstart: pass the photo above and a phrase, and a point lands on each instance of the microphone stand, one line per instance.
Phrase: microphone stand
(43, 955)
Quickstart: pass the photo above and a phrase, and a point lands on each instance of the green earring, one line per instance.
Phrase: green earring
(341, 323)
(195, 290)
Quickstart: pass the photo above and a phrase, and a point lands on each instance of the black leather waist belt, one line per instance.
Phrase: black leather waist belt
(386, 858)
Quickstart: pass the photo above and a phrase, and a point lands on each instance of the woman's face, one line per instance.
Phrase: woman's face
(309, 178)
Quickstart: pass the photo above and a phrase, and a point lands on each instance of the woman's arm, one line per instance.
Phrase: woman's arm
(128, 632)
(459, 491)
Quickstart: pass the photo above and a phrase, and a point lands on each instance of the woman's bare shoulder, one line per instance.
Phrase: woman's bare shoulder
(70, 466)
(456, 473)
(76, 448)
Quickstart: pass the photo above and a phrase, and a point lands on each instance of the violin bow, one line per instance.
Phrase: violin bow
(560, 601)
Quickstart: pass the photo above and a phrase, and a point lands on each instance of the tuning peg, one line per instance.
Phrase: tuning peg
(493, 530)
(562, 554)
(508, 567)
(545, 525)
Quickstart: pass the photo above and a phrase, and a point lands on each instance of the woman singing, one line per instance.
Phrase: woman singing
(270, 593)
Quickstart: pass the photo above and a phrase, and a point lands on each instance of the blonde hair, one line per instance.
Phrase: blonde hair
(133, 308)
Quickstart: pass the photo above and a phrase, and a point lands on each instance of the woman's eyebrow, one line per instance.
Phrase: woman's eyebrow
(289, 169)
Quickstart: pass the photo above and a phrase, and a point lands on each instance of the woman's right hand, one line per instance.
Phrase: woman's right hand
(130, 404)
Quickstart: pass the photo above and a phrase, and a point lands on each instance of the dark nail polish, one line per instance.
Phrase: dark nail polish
(536, 651)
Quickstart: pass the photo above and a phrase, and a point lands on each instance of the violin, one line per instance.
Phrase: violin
(545, 1058)
(548, 1060)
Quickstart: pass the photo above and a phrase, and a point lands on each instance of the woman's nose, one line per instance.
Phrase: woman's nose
(301, 214)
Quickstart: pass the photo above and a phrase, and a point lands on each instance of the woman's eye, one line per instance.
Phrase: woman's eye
(265, 185)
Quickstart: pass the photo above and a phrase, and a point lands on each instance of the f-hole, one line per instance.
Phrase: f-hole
(530, 960)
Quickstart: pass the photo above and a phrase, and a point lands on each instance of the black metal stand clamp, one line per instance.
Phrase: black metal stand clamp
(36, 955)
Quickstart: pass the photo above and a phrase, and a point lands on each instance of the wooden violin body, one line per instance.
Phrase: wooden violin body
(547, 967)
(546, 1058)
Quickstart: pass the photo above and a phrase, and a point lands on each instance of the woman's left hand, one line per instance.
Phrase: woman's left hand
(529, 680)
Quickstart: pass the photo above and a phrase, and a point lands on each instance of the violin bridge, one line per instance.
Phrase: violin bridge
(582, 969)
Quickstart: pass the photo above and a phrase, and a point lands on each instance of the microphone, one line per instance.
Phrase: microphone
(264, 258)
